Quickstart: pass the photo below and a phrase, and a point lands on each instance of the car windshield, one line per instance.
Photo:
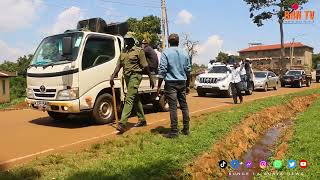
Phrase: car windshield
(293, 73)
(219, 69)
(50, 50)
(260, 74)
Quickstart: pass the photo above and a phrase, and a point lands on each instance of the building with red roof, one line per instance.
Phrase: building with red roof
(296, 54)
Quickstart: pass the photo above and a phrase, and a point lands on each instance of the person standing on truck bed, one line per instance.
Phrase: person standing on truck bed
(133, 62)
(175, 68)
(236, 72)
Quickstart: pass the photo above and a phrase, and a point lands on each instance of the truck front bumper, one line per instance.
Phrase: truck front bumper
(72, 106)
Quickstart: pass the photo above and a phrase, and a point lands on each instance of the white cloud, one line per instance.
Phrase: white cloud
(9, 53)
(67, 19)
(16, 14)
(184, 17)
(209, 49)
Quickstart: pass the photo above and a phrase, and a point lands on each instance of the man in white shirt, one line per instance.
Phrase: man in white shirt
(236, 72)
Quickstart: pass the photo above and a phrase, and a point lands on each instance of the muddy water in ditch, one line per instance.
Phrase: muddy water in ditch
(261, 151)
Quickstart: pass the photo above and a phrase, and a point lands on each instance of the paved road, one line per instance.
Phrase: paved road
(25, 134)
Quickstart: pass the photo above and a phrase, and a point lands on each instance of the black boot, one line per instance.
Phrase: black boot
(121, 128)
(185, 132)
(141, 124)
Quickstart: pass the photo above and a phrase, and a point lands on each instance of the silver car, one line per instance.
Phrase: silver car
(265, 80)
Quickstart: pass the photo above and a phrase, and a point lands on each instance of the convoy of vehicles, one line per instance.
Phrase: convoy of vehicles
(265, 80)
(296, 78)
(70, 74)
(217, 80)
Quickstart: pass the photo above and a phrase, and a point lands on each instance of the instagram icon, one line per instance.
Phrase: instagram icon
(263, 164)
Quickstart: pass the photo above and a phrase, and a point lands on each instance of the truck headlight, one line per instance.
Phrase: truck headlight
(30, 93)
(68, 94)
(222, 79)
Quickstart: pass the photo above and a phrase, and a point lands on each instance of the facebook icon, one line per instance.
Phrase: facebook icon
(235, 164)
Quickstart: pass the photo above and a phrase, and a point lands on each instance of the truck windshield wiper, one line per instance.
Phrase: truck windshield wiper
(47, 65)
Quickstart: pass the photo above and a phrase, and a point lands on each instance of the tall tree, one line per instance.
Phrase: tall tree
(148, 27)
(222, 57)
(261, 10)
(190, 46)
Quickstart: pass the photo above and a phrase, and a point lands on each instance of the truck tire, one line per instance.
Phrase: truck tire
(308, 83)
(103, 111)
(57, 116)
(201, 94)
(228, 93)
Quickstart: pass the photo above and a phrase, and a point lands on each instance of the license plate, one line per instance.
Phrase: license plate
(41, 104)
(206, 86)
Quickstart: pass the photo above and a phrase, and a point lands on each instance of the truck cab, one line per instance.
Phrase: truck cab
(70, 74)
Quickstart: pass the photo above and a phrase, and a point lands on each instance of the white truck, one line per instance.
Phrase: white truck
(70, 74)
(217, 80)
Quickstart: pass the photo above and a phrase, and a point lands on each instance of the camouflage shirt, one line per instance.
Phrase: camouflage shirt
(133, 61)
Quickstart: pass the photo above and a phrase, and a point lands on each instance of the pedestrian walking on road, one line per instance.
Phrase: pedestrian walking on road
(236, 72)
(175, 68)
(133, 62)
(151, 56)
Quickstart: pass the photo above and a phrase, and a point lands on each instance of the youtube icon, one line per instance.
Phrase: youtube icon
(303, 164)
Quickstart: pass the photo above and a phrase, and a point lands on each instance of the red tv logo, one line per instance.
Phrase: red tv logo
(303, 164)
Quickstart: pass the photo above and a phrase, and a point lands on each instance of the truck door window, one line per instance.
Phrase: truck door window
(97, 51)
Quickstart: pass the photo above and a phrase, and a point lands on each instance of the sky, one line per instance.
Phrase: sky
(218, 25)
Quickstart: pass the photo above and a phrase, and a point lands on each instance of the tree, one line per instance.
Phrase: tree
(197, 69)
(222, 57)
(261, 10)
(147, 28)
(190, 46)
(315, 60)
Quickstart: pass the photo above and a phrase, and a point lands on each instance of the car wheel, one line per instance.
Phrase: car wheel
(201, 94)
(228, 93)
(265, 87)
(57, 116)
(103, 111)
(276, 86)
(308, 84)
(299, 84)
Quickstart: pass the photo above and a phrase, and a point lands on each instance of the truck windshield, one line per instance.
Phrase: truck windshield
(50, 50)
(293, 73)
(219, 69)
(260, 74)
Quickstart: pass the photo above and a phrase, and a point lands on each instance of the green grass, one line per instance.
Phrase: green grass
(305, 144)
(12, 103)
(144, 155)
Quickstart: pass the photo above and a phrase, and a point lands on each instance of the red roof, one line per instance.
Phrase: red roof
(274, 47)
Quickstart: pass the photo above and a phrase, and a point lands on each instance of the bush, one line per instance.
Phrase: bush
(18, 87)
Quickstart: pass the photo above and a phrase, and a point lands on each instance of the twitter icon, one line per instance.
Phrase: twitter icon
(292, 164)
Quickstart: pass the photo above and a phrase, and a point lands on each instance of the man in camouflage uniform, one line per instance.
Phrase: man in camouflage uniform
(133, 62)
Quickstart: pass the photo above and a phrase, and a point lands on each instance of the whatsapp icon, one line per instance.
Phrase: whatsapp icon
(277, 164)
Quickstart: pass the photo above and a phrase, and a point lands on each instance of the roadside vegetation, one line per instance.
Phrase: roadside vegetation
(304, 144)
(13, 103)
(145, 155)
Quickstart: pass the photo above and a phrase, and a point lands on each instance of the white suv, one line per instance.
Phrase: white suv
(217, 80)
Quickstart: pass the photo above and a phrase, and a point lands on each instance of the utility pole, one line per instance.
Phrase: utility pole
(164, 21)
(292, 51)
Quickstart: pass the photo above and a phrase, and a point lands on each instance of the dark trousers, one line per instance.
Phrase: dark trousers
(236, 92)
(176, 90)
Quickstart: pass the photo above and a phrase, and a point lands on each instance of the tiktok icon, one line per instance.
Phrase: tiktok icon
(223, 164)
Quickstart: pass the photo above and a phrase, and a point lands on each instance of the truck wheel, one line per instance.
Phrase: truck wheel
(201, 94)
(308, 84)
(103, 111)
(58, 116)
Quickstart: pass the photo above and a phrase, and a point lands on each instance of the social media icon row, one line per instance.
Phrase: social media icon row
(277, 164)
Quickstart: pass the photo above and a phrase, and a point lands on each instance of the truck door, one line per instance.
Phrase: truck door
(98, 62)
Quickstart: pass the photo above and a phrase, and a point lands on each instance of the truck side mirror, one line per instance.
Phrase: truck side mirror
(67, 46)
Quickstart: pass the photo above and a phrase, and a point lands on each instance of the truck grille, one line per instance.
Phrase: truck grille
(49, 93)
(208, 80)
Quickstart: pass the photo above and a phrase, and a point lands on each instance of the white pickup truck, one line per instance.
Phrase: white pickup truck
(217, 80)
(70, 74)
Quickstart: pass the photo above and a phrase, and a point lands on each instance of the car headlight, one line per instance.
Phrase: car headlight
(30, 93)
(221, 79)
(198, 78)
(68, 94)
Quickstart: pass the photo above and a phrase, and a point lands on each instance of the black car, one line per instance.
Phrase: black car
(318, 73)
(296, 78)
